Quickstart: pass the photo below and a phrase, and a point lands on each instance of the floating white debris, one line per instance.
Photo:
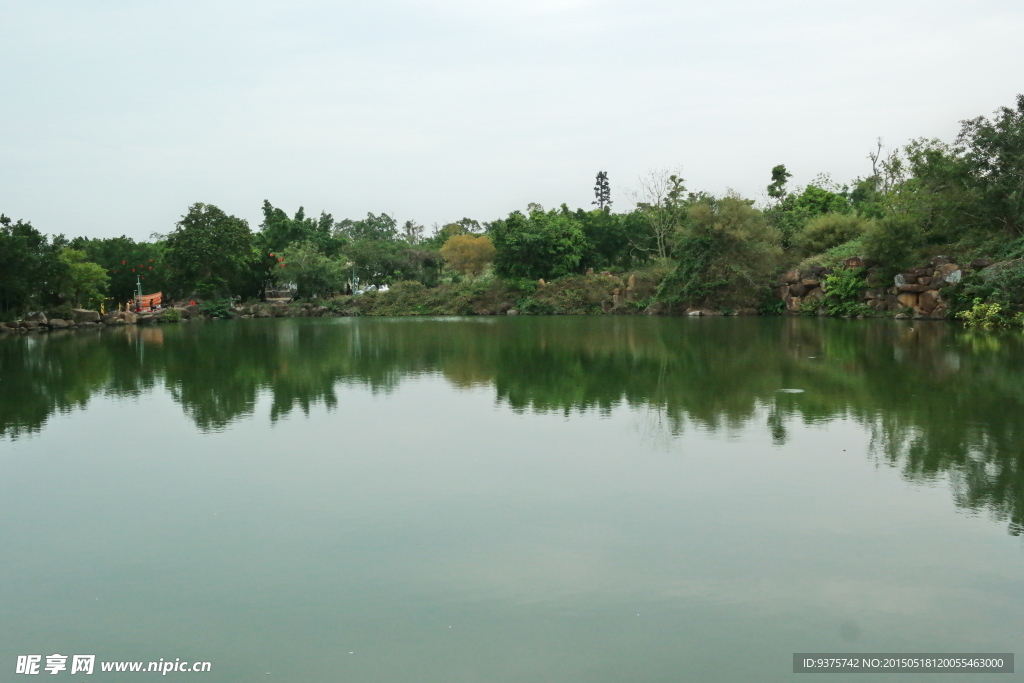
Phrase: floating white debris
(790, 391)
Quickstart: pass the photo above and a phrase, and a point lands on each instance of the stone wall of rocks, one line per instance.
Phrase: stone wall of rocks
(86, 319)
(918, 289)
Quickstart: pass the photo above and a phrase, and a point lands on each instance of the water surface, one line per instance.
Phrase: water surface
(510, 499)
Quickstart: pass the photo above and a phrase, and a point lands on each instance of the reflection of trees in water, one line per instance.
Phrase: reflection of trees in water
(936, 400)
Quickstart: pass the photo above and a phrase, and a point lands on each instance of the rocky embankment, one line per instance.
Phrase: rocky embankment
(86, 319)
(917, 292)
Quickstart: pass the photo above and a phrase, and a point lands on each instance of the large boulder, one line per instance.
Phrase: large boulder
(798, 289)
(58, 324)
(82, 315)
(928, 301)
(912, 288)
(112, 318)
(38, 317)
(907, 299)
(816, 294)
(789, 277)
(30, 324)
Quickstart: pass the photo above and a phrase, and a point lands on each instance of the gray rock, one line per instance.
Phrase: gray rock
(82, 315)
(58, 324)
(511, 311)
(38, 316)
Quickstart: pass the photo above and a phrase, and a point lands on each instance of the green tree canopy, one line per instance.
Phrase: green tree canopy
(30, 267)
(209, 253)
(726, 253)
(278, 231)
(541, 245)
(84, 283)
(313, 273)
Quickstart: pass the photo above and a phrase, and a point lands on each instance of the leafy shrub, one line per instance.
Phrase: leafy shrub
(829, 230)
(171, 315)
(1001, 283)
(834, 257)
(726, 252)
(535, 307)
(217, 308)
(843, 289)
(62, 312)
(987, 316)
(578, 294)
(893, 242)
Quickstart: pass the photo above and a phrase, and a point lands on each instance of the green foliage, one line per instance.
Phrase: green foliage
(993, 155)
(170, 315)
(780, 176)
(535, 307)
(663, 203)
(988, 316)
(608, 238)
(1001, 283)
(30, 268)
(843, 289)
(217, 308)
(83, 283)
(377, 228)
(380, 262)
(541, 245)
(209, 253)
(829, 230)
(573, 295)
(791, 215)
(313, 273)
(725, 251)
(279, 232)
(126, 262)
(893, 242)
(834, 257)
(63, 312)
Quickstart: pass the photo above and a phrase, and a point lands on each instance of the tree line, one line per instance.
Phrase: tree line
(964, 198)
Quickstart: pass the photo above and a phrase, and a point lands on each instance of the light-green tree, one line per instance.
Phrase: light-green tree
(84, 283)
(314, 274)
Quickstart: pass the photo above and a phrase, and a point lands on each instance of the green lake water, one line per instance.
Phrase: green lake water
(581, 499)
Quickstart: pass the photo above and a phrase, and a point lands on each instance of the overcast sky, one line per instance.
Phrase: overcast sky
(117, 115)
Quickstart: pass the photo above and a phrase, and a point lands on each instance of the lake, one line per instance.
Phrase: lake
(511, 499)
